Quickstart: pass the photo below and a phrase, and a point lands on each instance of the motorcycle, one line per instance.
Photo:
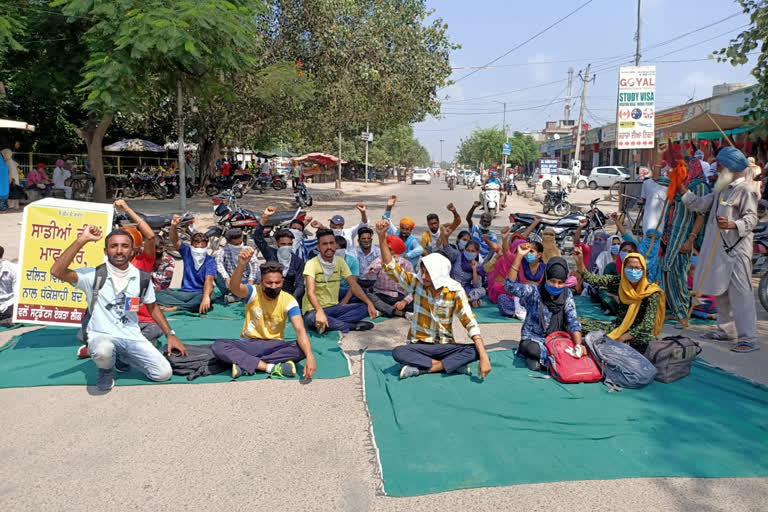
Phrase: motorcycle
(555, 200)
(760, 261)
(172, 186)
(301, 193)
(490, 198)
(472, 180)
(162, 224)
(139, 184)
(219, 184)
(564, 228)
(451, 182)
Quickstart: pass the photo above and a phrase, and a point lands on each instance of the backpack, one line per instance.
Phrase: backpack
(672, 357)
(564, 367)
(623, 366)
(98, 283)
(199, 362)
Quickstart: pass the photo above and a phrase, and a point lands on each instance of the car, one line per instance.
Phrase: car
(603, 177)
(559, 177)
(421, 175)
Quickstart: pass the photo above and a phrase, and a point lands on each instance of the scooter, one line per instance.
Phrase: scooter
(490, 198)
(451, 182)
(301, 193)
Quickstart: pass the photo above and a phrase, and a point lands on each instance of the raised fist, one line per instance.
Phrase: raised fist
(269, 211)
(245, 255)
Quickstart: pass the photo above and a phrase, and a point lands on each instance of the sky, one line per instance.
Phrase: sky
(601, 33)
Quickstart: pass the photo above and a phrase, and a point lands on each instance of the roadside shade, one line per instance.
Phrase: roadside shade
(135, 146)
(705, 122)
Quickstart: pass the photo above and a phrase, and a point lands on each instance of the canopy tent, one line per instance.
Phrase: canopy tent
(136, 146)
(706, 122)
(174, 146)
(16, 125)
(261, 153)
(321, 158)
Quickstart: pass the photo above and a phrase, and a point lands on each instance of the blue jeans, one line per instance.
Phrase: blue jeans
(139, 354)
(339, 316)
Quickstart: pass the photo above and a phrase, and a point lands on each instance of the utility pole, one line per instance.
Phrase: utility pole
(506, 137)
(182, 161)
(338, 176)
(579, 135)
(637, 36)
(367, 131)
(441, 152)
(569, 99)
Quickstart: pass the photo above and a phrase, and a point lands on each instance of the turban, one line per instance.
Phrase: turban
(59, 163)
(699, 154)
(407, 221)
(135, 236)
(732, 158)
(396, 244)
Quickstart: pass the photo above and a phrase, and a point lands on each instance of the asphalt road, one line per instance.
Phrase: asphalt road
(283, 444)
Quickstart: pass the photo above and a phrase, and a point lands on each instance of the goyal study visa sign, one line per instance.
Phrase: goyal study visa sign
(636, 107)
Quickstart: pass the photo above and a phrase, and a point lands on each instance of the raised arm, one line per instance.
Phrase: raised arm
(261, 243)
(174, 232)
(236, 285)
(456, 218)
(695, 202)
(471, 212)
(363, 214)
(141, 225)
(381, 229)
(536, 221)
(611, 283)
(60, 268)
(577, 235)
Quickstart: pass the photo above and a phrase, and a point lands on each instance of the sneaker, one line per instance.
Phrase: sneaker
(286, 369)
(105, 381)
(409, 371)
(533, 364)
(238, 372)
(408, 316)
(82, 352)
(121, 366)
(230, 299)
(362, 325)
(463, 370)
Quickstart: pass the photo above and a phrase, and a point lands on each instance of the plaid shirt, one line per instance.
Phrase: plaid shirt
(163, 272)
(384, 284)
(432, 320)
(226, 262)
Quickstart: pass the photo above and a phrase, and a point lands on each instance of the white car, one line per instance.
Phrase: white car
(560, 177)
(604, 177)
(421, 175)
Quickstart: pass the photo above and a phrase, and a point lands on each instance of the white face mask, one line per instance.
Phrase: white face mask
(328, 267)
(341, 253)
(198, 256)
(338, 232)
(284, 257)
(237, 248)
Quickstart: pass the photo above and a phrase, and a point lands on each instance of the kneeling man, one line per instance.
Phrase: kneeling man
(261, 346)
(437, 298)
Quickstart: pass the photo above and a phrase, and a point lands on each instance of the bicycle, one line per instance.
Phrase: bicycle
(636, 223)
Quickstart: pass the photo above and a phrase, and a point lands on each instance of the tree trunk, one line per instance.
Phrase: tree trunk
(209, 149)
(93, 135)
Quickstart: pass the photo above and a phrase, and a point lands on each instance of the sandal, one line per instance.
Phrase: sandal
(745, 347)
(716, 336)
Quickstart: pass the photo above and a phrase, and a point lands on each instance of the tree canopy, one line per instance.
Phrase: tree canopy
(484, 146)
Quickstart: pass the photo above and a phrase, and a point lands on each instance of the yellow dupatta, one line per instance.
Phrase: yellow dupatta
(633, 295)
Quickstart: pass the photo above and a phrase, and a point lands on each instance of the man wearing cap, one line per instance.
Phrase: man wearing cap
(431, 346)
(226, 261)
(413, 247)
(732, 208)
(337, 225)
(387, 295)
(478, 233)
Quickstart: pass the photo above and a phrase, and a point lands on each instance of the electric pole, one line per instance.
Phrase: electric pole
(569, 99)
(506, 136)
(367, 131)
(579, 129)
(637, 36)
(441, 152)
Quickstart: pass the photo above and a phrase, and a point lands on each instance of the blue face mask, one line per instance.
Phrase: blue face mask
(633, 274)
(614, 249)
(553, 290)
(470, 255)
(694, 260)
(530, 257)
(623, 254)
(463, 244)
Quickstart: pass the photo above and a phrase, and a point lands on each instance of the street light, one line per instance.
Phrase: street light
(506, 137)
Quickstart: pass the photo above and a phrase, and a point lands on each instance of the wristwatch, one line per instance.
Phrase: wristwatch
(170, 333)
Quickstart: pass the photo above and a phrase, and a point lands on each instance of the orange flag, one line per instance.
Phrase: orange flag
(676, 178)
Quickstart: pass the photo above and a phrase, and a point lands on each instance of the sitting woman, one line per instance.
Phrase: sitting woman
(465, 267)
(649, 247)
(497, 266)
(607, 256)
(530, 270)
(549, 305)
(641, 303)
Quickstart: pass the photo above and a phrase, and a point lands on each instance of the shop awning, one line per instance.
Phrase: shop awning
(706, 122)
(320, 158)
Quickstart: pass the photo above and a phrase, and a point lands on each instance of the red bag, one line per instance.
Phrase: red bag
(564, 367)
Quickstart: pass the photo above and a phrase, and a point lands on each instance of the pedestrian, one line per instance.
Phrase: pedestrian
(60, 177)
(4, 185)
(755, 173)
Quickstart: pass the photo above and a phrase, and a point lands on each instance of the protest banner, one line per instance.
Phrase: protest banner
(636, 107)
(49, 226)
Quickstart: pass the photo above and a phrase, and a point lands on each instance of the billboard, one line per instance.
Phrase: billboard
(636, 108)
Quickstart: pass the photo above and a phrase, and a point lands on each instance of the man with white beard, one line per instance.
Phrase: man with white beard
(732, 210)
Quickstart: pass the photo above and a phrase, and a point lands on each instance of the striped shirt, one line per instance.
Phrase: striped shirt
(226, 262)
(432, 320)
(384, 284)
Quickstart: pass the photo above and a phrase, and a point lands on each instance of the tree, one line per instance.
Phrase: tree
(483, 146)
(524, 149)
(737, 53)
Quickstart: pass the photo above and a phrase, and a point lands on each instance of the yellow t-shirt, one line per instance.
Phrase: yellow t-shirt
(265, 318)
(326, 290)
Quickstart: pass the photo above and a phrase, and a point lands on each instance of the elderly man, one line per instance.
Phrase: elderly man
(732, 210)
(413, 247)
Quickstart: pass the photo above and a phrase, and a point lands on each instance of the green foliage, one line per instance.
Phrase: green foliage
(12, 25)
(485, 146)
(524, 149)
(736, 53)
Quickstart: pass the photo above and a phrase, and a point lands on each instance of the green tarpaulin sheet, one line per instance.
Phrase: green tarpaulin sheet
(488, 313)
(585, 307)
(435, 433)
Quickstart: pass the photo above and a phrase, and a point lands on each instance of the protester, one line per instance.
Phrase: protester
(549, 242)
(9, 274)
(413, 248)
(387, 295)
(477, 232)
(732, 208)
(163, 267)
(262, 346)
(60, 177)
(533, 269)
(323, 275)
(755, 173)
(682, 235)
(366, 253)
(345, 292)
(607, 256)
(549, 306)
(653, 195)
(431, 347)
(4, 185)
(430, 237)
(114, 337)
(349, 234)
(649, 247)
(226, 261)
(199, 275)
(293, 265)
(640, 313)
(706, 169)
(15, 192)
(465, 268)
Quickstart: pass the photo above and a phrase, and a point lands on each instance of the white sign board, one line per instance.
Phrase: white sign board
(636, 108)
(366, 136)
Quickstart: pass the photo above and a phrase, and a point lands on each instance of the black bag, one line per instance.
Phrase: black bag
(198, 362)
(672, 356)
(622, 365)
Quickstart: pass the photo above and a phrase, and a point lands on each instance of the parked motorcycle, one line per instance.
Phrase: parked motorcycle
(301, 193)
(172, 186)
(555, 200)
(139, 184)
(218, 184)
(264, 180)
(161, 224)
(564, 228)
(490, 198)
(760, 261)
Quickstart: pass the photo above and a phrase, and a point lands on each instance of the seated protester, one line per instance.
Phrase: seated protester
(9, 274)
(465, 268)
(163, 267)
(303, 243)
(366, 253)
(345, 293)
(640, 314)
(293, 264)
(498, 266)
(323, 275)
(478, 232)
(624, 248)
(530, 270)
(114, 337)
(609, 301)
(349, 234)
(387, 295)
(413, 248)
(430, 237)
(431, 347)
(226, 261)
(607, 256)
(550, 308)
(199, 275)
(261, 346)
(549, 242)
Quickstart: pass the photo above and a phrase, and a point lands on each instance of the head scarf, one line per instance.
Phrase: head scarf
(597, 248)
(396, 244)
(557, 268)
(695, 172)
(439, 269)
(408, 222)
(466, 267)
(550, 246)
(7, 154)
(528, 275)
(59, 163)
(633, 295)
(676, 176)
(504, 262)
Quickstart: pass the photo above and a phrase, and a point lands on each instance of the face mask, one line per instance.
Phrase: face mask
(338, 232)
(470, 255)
(553, 290)
(435, 232)
(298, 234)
(530, 257)
(633, 274)
(614, 250)
(366, 244)
(341, 253)
(623, 254)
(198, 256)
(284, 253)
(462, 244)
(236, 248)
(485, 229)
(694, 260)
(271, 293)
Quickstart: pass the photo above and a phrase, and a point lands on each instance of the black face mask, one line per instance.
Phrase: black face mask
(272, 293)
